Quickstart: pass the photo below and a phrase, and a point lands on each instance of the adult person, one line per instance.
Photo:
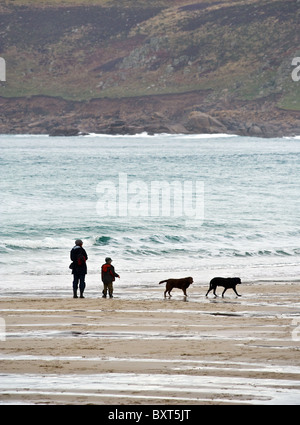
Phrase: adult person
(78, 256)
(108, 276)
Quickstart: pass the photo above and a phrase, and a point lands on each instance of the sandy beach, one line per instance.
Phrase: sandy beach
(143, 349)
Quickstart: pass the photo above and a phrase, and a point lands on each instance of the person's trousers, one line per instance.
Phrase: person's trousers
(79, 278)
(108, 287)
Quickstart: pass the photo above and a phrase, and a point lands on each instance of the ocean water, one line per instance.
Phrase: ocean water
(160, 206)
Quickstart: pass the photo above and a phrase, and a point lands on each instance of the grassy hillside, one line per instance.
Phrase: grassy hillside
(81, 50)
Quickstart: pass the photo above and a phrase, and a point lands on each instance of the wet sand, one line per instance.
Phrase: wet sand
(139, 348)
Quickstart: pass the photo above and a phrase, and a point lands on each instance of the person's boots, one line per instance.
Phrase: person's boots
(81, 294)
(75, 294)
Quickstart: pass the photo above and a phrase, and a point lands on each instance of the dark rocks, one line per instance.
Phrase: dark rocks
(185, 113)
(66, 132)
(199, 122)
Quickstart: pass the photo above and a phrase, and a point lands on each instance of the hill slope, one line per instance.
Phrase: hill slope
(156, 65)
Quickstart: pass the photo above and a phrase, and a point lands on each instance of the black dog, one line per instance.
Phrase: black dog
(229, 282)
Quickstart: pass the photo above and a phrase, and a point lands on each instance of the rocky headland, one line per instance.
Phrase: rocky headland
(177, 114)
(166, 67)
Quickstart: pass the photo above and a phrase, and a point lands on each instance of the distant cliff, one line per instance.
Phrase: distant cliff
(179, 66)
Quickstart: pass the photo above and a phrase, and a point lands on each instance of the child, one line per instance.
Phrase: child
(108, 275)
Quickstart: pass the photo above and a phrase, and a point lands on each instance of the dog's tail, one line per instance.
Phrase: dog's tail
(163, 281)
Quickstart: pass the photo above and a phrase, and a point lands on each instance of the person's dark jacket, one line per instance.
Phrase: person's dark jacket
(108, 273)
(78, 251)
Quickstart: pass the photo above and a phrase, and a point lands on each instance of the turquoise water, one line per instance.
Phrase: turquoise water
(243, 217)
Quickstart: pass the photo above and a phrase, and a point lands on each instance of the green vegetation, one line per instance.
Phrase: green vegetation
(107, 48)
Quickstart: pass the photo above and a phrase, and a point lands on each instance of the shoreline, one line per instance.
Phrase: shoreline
(153, 350)
(127, 288)
(144, 133)
(181, 113)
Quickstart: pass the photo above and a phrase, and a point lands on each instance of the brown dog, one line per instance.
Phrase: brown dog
(183, 284)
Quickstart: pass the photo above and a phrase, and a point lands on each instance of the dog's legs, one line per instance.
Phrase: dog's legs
(165, 293)
(210, 288)
(184, 291)
(215, 292)
(236, 292)
(224, 292)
